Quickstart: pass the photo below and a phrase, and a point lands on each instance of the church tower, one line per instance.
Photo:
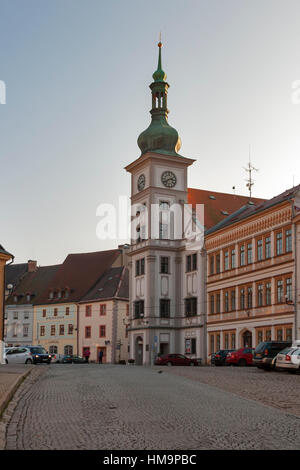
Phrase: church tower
(158, 250)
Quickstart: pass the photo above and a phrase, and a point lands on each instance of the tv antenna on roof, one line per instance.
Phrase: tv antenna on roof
(250, 169)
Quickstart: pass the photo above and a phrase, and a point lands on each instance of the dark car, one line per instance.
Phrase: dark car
(39, 354)
(219, 357)
(175, 360)
(73, 359)
(240, 357)
(266, 351)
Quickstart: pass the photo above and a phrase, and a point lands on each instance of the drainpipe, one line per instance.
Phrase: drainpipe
(3, 306)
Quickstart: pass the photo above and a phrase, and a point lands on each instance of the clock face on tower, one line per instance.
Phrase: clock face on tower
(141, 182)
(168, 179)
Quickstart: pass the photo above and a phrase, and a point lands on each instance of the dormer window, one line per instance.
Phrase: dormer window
(28, 297)
(51, 295)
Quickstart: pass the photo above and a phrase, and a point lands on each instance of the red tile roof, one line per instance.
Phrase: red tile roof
(113, 284)
(217, 206)
(32, 283)
(78, 273)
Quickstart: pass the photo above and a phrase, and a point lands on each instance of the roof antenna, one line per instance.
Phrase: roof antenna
(249, 169)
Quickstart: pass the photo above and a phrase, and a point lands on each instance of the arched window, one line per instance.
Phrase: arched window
(68, 350)
(53, 350)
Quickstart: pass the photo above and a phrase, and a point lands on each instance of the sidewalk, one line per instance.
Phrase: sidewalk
(10, 378)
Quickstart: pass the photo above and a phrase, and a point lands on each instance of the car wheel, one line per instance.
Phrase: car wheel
(169, 364)
(28, 361)
(242, 363)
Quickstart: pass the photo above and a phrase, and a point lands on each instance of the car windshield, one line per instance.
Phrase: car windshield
(38, 351)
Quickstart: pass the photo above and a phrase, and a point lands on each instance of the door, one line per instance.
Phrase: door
(103, 349)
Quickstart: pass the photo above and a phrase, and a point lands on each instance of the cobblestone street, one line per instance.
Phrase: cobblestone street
(129, 407)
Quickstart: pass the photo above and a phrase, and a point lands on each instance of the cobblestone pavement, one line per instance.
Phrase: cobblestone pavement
(129, 407)
(278, 389)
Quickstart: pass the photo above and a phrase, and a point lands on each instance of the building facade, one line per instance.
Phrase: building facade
(253, 274)
(5, 257)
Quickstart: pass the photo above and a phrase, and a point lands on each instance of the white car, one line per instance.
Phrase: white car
(20, 355)
(289, 359)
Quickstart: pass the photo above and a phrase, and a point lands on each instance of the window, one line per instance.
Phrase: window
(26, 315)
(288, 240)
(67, 310)
(289, 334)
(44, 312)
(242, 298)
(268, 335)
(52, 330)
(88, 331)
(68, 350)
(288, 289)
(164, 308)
(232, 259)
(102, 310)
(163, 231)
(226, 260)
(279, 243)
(259, 250)
(138, 309)
(218, 303)
(15, 316)
(279, 334)
(260, 336)
(194, 262)
(212, 304)
(279, 291)
(55, 312)
(226, 341)
(212, 343)
(70, 329)
(191, 307)
(268, 293)
(191, 262)
(25, 330)
(232, 340)
(218, 342)
(164, 264)
(260, 295)
(249, 297)
(42, 331)
(226, 302)
(140, 267)
(218, 264)
(212, 265)
(242, 255)
(88, 310)
(61, 330)
(268, 247)
(233, 305)
(102, 331)
(53, 350)
(127, 310)
(249, 253)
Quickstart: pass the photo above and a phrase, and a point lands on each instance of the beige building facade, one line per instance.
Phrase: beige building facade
(253, 274)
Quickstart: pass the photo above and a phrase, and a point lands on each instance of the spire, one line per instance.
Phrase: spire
(159, 137)
(159, 75)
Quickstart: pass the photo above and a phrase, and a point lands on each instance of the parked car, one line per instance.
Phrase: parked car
(240, 357)
(175, 360)
(219, 357)
(265, 353)
(289, 359)
(27, 355)
(73, 359)
(57, 358)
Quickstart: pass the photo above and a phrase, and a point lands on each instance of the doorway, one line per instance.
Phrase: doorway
(103, 349)
(139, 350)
(247, 339)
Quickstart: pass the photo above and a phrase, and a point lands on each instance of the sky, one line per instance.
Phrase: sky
(77, 78)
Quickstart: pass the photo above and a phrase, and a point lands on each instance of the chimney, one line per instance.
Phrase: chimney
(32, 266)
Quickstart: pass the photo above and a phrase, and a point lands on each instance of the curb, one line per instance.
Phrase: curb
(10, 393)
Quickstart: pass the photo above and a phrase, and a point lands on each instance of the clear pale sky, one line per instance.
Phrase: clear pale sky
(77, 75)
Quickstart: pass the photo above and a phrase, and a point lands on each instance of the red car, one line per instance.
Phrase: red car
(241, 357)
(175, 360)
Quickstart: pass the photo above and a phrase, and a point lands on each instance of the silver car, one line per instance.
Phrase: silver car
(289, 359)
(20, 355)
